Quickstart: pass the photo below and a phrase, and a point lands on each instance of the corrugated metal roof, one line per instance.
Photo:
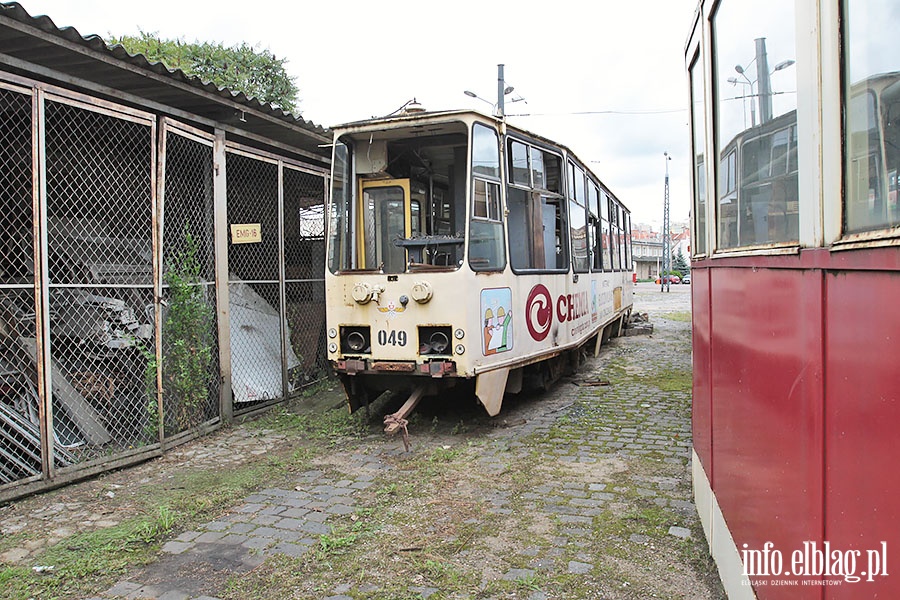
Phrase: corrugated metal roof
(37, 41)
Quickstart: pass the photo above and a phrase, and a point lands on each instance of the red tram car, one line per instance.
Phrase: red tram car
(795, 120)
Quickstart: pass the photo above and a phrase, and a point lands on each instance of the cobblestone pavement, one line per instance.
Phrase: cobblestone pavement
(615, 439)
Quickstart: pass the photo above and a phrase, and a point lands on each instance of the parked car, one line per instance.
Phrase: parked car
(672, 279)
(686, 280)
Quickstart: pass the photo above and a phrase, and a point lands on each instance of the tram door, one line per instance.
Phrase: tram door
(385, 215)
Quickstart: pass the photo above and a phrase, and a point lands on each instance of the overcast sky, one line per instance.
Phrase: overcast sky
(603, 77)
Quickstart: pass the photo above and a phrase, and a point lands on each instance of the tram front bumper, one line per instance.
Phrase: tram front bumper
(433, 368)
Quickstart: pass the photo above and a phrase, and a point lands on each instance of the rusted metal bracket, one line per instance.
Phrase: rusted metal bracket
(394, 422)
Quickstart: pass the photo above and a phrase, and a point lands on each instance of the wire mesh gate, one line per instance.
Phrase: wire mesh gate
(189, 349)
(275, 282)
(110, 341)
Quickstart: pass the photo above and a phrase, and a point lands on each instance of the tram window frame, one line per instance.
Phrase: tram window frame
(871, 160)
(340, 211)
(626, 236)
(698, 153)
(486, 236)
(518, 152)
(594, 227)
(623, 243)
(614, 236)
(620, 240)
(578, 207)
(534, 235)
(606, 231)
(764, 213)
(536, 155)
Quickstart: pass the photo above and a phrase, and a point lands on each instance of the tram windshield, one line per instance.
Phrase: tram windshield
(398, 199)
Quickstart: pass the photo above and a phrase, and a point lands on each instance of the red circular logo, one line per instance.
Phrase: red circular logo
(538, 312)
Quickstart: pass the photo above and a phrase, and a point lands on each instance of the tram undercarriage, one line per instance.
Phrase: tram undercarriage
(365, 381)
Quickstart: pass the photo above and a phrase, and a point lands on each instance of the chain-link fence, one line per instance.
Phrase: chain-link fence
(101, 217)
(20, 408)
(304, 265)
(190, 347)
(99, 249)
(276, 277)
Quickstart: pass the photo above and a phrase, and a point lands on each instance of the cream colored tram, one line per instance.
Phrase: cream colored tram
(465, 252)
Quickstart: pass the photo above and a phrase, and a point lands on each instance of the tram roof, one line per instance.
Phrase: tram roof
(399, 121)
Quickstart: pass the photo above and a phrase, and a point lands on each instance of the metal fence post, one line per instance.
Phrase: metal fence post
(220, 209)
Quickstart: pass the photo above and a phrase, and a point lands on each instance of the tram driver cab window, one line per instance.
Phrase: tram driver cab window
(398, 200)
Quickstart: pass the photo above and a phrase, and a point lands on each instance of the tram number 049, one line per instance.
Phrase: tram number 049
(391, 338)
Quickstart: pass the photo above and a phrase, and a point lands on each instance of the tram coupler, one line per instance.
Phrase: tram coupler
(396, 421)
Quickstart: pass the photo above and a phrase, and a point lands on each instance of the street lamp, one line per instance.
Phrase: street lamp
(666, 238)
(743, 98)
(477, 97)
(494, 108)
(763, 81)
(764, 96)
(783, 65)
(503, 90)
(740, 71)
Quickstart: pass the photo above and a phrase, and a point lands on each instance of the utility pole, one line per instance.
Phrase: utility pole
(667, 239)
(501, 88)
(763, 83)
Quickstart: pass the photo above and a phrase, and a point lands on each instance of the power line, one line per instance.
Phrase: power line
(602, 112)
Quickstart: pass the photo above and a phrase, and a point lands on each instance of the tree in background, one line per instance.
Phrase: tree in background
(243, 68)
(679, 264)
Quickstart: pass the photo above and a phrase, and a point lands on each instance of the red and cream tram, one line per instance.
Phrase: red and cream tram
(795, 117)
(464, 250)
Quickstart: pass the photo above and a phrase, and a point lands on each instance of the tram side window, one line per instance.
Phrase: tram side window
(339, 211)
(594, 230)
(872, 126)
(614, 235)
(728, 208)
(487, 250)
(699, 140)
(578, 219)
(626, 236)
(755, 117)
(623, 251)
(537, 223)
(605, 239)
(519, 171)
(537, 170)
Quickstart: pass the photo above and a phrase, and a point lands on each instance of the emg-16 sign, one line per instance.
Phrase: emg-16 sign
(246, 233)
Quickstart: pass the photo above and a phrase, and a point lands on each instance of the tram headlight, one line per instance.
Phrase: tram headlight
(460, 349)
(439, 342)
(332, 347)
(332, 333)
(355, 340)
(435, 339)
(459, 334)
